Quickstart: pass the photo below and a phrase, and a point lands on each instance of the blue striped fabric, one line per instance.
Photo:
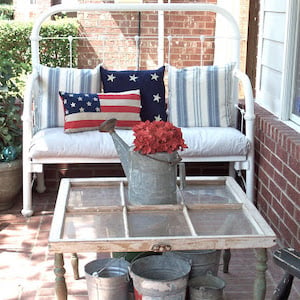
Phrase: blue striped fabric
(49, 110)
(200, 96)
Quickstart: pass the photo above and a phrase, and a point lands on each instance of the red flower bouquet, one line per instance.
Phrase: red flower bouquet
(157, 136)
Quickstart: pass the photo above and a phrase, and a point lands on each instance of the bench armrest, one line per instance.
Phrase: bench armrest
(249, 115)
(28, 104)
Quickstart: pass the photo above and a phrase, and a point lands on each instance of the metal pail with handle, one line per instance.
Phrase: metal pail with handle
(207, 287)
(107, 279)
(160, 277)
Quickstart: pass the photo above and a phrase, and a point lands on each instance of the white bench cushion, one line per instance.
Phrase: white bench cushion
(202, 142)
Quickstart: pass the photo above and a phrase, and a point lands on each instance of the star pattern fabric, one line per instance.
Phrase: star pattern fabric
(149, 82)
(154, 76)
(156, 98)
(111, 77)
(75, 103)
(133, 78)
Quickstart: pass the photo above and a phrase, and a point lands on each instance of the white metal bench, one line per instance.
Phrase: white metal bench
(46, 142)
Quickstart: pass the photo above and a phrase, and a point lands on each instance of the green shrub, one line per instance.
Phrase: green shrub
(6, 12)
(10, 2)
(10, 116)
(15, 46)
(55, 52)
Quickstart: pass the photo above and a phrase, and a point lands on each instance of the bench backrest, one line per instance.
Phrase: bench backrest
(197, 96)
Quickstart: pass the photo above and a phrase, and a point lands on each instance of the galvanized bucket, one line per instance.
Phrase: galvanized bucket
(152, 178)
(159, 277)
(203, 261)
(107, 279)
(207, 287)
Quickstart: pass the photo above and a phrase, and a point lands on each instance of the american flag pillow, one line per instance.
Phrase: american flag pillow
(86, 111)
(149, 82)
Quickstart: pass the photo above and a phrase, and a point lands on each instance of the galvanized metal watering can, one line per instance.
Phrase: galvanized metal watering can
(152, 177)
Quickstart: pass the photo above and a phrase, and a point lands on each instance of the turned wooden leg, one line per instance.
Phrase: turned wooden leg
(259, 291)
(60, 283)
(74, 262)
(226, 260)
(283, 289)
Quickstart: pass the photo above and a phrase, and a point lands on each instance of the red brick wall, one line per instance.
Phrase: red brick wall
(277, 150)
(121, 54)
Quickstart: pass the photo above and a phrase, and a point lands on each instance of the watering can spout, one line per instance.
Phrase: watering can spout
(121, 147)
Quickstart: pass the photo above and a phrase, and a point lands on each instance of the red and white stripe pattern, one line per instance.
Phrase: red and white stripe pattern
(123, 106)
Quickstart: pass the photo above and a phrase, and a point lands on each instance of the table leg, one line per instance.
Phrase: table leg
(226, 260)
(259, 291)
(74, 262)
(60, 283)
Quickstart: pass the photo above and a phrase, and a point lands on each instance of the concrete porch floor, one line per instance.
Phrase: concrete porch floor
(26, 267)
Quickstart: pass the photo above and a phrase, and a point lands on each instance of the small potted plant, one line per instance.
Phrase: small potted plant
(10, 137)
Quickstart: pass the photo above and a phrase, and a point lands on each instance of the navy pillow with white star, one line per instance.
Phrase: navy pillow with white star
(151, 86)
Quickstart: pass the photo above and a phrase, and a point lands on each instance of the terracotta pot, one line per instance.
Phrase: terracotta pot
(10, 182)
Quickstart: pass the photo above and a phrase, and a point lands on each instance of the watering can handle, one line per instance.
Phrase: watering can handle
(108, 126)
(174, 162)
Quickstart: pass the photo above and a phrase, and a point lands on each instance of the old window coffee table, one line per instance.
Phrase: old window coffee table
(93, 215)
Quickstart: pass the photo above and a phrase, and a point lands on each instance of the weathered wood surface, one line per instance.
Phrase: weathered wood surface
(260, 286)
(74, 262)
(60, 283)
(289, 260)
(261, 234)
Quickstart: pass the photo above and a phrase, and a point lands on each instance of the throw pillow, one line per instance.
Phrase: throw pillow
(84, 111)
(201, 96)
(149, 82)
(49, 111)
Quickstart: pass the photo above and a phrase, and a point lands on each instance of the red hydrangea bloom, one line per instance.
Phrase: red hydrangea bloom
(157, 136)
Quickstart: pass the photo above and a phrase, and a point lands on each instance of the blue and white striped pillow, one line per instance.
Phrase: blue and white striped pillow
(49, 111)
(200, 96)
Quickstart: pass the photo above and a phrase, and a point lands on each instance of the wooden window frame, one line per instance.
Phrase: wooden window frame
(292, 51)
